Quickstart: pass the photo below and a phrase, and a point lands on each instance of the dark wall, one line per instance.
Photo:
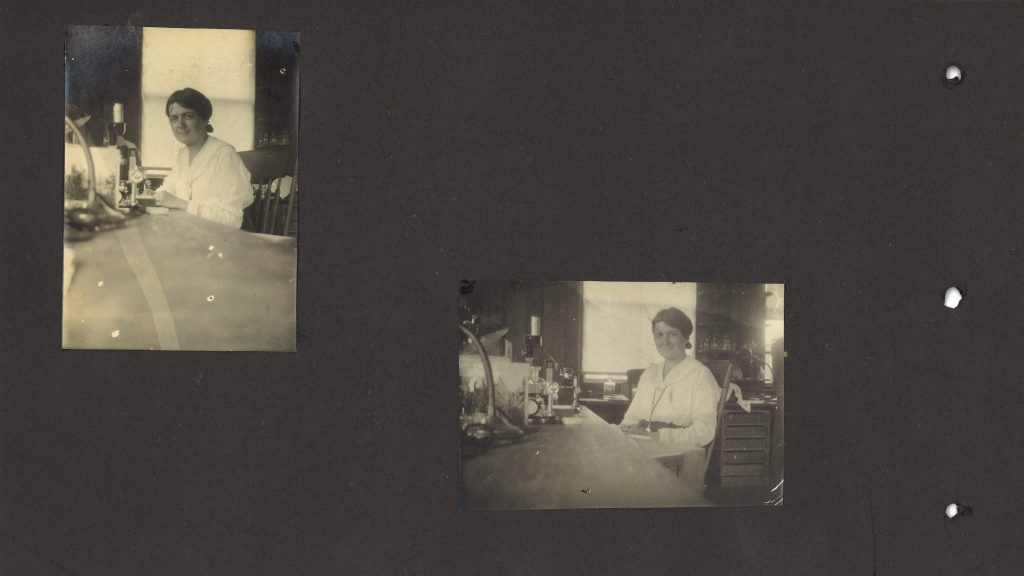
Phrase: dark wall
(510, 304)
(103, 66)
(277, 83)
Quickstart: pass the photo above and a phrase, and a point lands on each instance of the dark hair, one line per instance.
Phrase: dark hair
(193, 100)
(675, 318)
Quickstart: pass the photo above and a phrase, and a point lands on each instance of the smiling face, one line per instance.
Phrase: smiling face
(670, 342)
(188, 126)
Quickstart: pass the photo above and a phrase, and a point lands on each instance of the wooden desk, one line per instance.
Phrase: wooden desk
(583, 463)
(178, 282)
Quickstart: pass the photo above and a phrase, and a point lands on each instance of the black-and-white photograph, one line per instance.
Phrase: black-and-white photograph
(181, 207)
(620, 394)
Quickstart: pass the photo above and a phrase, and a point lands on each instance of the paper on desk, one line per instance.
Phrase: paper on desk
(734, 390)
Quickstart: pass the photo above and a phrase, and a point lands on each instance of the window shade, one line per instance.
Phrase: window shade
(617, 321)
(218, 63)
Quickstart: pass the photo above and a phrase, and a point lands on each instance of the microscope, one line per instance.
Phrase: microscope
(541, 393)
(130, 188)
(130, 172)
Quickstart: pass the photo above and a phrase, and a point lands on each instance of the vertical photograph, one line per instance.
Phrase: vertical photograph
(181, 189)
(590, 394)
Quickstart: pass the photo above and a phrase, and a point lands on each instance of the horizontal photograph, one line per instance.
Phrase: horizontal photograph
(180, 189)
(589, 394)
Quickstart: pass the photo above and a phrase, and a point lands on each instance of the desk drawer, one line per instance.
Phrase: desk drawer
(755, 431)
(746, 457)
(746, 444)
(754, 417)
(743, 470)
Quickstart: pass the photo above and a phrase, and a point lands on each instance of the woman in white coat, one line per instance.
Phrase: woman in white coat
(208, 178)
(676, 400)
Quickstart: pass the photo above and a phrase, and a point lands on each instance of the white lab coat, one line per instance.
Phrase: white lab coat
(215, 184)
(688, 398)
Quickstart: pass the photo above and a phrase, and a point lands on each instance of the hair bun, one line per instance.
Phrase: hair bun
(688, 345)
(209, 127)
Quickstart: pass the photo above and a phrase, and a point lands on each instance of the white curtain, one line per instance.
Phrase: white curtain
(219, 63)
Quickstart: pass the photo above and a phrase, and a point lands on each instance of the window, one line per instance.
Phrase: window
(617, 321)
(775, 299)
(219, 63)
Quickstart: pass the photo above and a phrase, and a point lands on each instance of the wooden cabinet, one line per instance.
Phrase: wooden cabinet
(743, 454)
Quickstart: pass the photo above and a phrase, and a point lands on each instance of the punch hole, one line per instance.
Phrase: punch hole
(953, 76)
(954, 510)
(953, 297)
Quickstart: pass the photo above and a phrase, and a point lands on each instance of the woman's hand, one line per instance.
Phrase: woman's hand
(634, 429)
(168, 200)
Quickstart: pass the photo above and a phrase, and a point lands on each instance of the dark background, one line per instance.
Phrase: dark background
(784, 142)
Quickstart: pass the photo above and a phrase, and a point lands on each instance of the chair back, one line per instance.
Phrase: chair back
(632, 380)
(268, 167)
(723, 397)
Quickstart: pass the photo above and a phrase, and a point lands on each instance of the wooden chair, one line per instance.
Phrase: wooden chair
(723, 397)
(632, 379)
(267, 167)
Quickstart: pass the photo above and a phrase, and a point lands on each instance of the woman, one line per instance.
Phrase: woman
(208, 178)
(676, 400)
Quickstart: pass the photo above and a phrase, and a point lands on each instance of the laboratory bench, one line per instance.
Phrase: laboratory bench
(583, 462)
(175, 281)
